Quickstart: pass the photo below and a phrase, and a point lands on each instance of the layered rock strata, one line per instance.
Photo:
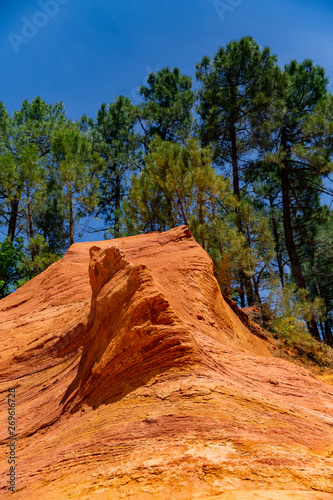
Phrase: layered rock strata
(135, 379)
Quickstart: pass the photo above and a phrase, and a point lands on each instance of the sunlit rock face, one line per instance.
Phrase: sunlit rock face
(134, 379)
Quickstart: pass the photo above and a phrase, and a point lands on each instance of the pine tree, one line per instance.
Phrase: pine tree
(166, 110)
(25, 141)
(299, 159)
(117, 142)
(179, 186)
(76, 170)
(240, 90)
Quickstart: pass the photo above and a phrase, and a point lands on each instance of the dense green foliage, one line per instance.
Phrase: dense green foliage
(118, 144)
(11, 254)
(244, 161)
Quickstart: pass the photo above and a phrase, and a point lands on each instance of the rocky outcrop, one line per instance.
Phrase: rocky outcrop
(134, 378)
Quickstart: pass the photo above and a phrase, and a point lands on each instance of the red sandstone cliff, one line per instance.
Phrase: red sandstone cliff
(134, 379)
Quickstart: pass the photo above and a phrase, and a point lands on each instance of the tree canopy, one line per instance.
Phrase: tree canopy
(245, 161)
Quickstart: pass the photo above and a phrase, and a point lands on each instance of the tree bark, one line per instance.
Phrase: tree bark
(241, 290)
(328, 333)
(13, 219)
(117, 206)
(245, 280)
(201, 218)
(31, 232)
(256, 290)
(234, 160)
(288, 231)
(71, 219)
(278, 250)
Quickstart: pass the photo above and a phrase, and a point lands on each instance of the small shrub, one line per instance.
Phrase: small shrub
(294, 337)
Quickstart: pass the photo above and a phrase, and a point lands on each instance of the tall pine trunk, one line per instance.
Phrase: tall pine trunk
(256, 290)
(71, 217)
(201, 218)
(234, 160)
(14, 204)
(117, 205)
(328, 332)
(288, 232)
(30, 225)
(245, 280)
(278, 250)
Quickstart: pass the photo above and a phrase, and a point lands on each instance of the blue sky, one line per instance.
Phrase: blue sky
(87, 52)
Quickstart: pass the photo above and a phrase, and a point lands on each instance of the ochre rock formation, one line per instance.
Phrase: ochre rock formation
(135, 379)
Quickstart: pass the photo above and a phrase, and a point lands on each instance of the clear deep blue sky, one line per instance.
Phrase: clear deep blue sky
(85, 52)
(90, 51)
